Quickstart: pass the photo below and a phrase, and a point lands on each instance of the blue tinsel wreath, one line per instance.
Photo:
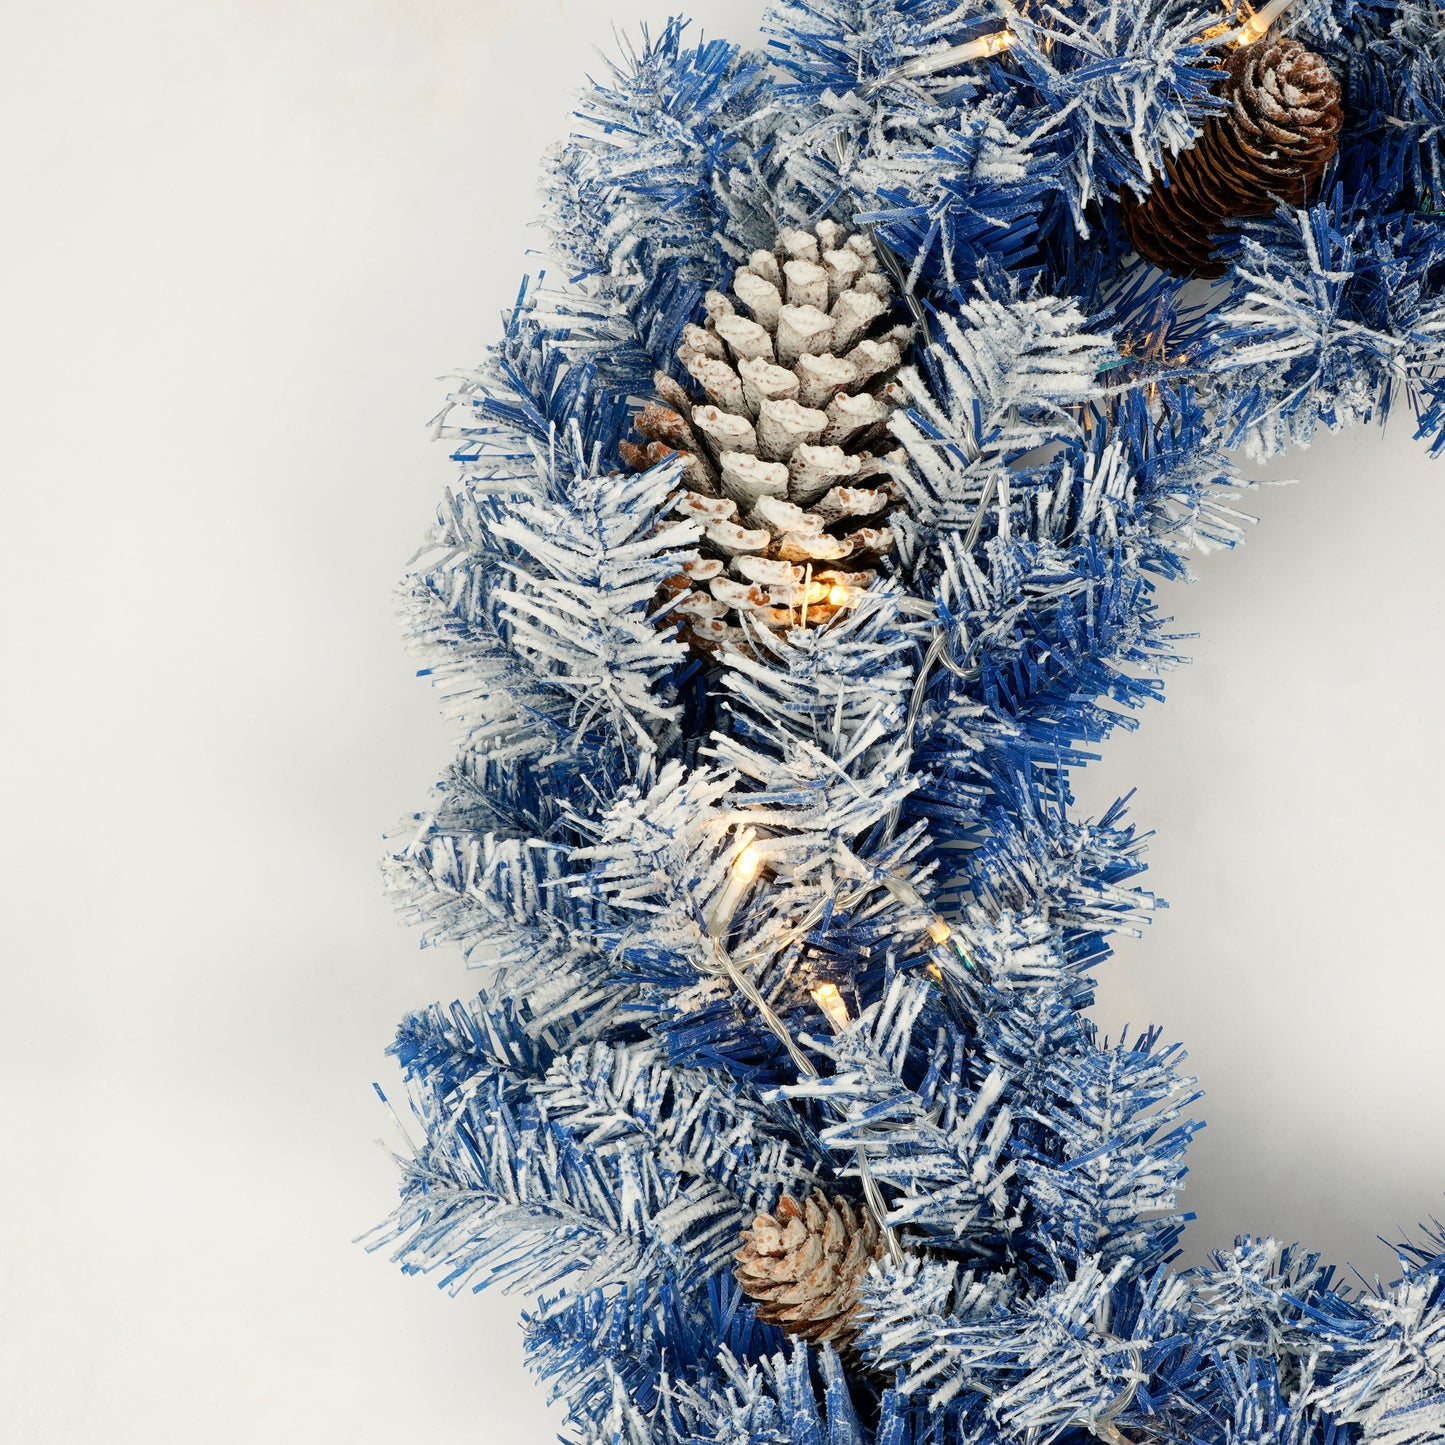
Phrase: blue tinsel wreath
(621, 1098)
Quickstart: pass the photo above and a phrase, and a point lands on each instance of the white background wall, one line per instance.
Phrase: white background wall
(241, 241)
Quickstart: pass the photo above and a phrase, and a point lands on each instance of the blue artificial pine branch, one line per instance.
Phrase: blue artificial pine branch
(638, 197)
(937, 1143)
(1004, 379)
(964, 197)
(1110, 1161)
(1332, 316)
(1124, 86)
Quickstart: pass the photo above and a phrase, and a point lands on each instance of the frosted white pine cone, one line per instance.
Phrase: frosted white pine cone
(782, 468)
(802, 1266)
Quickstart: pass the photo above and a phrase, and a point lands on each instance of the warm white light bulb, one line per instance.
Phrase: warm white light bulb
(837, 595)
(939, 931)
(743, 870)
(921, 65)
(1255, 27)
(828, 999)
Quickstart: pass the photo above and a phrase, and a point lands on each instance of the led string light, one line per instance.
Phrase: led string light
(996, 42)
(833, 1004)
(744, 869)
(939, 930)
(748, 862)
(977, 49)
(940, 933)
(1255, 27)
(746, 866)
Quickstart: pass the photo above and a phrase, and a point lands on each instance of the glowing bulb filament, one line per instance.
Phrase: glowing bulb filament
(994, 44)
(827, 997)
(746, 864)
(838, 595)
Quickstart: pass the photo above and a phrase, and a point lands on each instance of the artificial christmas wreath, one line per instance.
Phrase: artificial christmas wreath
(805, 542)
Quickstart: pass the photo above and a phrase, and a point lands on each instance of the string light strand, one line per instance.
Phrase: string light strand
(835, 1009)
(1256, 27)
(979, 48)
(983, 47)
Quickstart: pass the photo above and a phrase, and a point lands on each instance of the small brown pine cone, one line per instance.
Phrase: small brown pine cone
(781, 460)
(1272, 144)
(803, 1265)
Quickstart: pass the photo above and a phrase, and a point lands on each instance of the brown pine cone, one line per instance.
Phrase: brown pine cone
(804, 1263)
(1272, 143)
(779, 467)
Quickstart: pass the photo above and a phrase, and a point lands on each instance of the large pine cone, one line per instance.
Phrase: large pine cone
(779, 471)
(804, 1263)
(1272, 143)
